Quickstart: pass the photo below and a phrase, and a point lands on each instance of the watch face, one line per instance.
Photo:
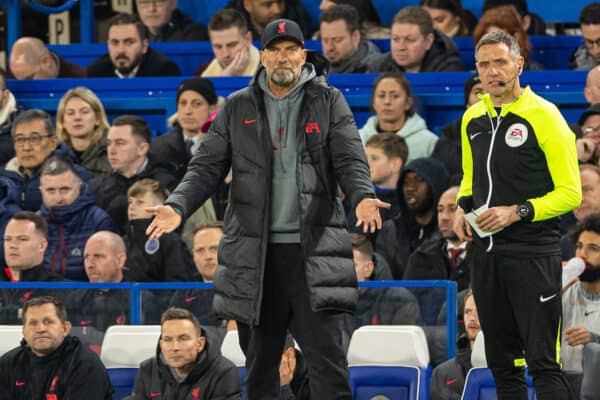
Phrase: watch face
(523, 211)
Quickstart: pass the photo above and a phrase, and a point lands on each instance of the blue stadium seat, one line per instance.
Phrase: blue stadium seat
(123, 349)
(391, 361)
(122, 380)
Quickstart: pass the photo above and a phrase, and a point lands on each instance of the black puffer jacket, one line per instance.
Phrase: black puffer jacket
(441, 57)
(213, 377)
(330, 151)
(71, 372)
(401, 235)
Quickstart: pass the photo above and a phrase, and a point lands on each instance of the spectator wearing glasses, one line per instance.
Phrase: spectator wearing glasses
(166, 23)
(34, 142)
(588, 146)
(587, 56)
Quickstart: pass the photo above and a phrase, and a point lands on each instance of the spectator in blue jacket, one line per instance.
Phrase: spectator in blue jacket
(35, 141)
(71, 215)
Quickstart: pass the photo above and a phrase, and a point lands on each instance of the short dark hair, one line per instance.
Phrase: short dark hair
(498, 37)
(129, 19)
(208, 225)
(61, 310)
(173, 313)
(391, 144)
(139, 127)
(56, 165)
(590, 223)
(41, 226)
(342, 12)
(590, 14)
(366, 10)
(362, 244)
(228, 18)
(402, 81)
(416, 16)
(35, 114)
(148, 185)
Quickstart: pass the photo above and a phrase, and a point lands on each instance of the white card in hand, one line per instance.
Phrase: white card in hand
(470, 217)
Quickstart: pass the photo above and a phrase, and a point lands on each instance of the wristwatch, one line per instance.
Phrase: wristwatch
(525, 211)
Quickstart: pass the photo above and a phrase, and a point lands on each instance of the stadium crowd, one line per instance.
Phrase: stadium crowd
(75, 189)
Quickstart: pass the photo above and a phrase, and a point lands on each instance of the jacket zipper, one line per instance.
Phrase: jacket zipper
(489, 168)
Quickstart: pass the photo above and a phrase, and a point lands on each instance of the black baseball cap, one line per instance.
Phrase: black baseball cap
(282, 29)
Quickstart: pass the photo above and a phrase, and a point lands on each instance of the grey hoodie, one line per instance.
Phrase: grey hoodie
(282, 114)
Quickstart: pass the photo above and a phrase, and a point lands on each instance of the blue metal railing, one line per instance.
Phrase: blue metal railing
(14, 16)
(137, 288)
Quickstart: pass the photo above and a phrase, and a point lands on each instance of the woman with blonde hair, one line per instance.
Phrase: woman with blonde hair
(81, 124)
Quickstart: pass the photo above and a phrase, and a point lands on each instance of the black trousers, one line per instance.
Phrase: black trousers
(519, 305)
(285, 306)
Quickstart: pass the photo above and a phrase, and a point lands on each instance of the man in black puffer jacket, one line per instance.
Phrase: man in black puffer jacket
(285, 259)
(187, 365)
(50, 364)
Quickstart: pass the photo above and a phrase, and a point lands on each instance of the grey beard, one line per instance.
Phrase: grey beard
(284, 78)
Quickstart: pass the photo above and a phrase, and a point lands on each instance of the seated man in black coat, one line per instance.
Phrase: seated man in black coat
(380, 306)
(128, 145)
(129, 55)
(49, 363)
(167, 23)
(421, 183)
(441, 257)
(25, 242)
(187, 364)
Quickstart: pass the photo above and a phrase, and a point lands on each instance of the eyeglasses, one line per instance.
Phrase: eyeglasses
(34, 140)
(591, 131)
(150, 3)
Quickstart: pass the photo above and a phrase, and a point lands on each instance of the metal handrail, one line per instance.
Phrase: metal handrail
(136, 289)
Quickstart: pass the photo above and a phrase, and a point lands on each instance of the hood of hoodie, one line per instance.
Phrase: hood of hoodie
(203, 363)
(433, 172)
(413, 125)
(63, 214)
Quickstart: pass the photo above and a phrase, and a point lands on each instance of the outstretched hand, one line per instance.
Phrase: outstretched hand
(367, 214)
(166, 220)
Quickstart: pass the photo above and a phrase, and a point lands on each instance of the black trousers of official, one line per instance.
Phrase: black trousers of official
(519, 305)
(286, 306)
